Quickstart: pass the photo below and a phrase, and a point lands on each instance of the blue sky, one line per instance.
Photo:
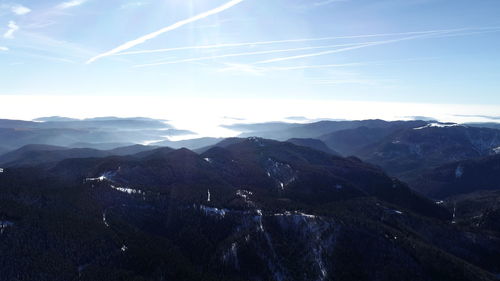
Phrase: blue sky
(422, 51)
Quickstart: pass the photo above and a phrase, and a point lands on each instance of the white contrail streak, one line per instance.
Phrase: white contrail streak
(317, 66)
(228, 45)
(348, 47)
(174, 26)
(436, 34)
(250, 54)
(258, 69)
(342, 49)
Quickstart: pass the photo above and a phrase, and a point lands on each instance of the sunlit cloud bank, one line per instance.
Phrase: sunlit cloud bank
(204, 116)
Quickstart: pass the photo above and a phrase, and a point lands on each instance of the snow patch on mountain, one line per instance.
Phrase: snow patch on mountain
(245, 195)
(282, 173)
(212, 211)
(127, 190)
(4, 225)
(230, 256)
(459, 171)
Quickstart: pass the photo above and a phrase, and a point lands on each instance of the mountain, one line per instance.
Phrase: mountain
(410, 151)
(106, 123)
(13, 138)
(350, 141)
(222, 143)
(62, 131)
(100, 145)
(314, 144)
(189, 143)
(32, 155)
(155, 152)
(102, 122)
(307, 173)
(255, 209)
(477, 210)
(9, 123)
(284, 131)
(402, 148)
(131, 149)
(460, 177)
(311, 143)
(491, 125)
(3, 150)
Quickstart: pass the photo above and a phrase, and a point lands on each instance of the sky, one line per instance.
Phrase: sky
(196, 58)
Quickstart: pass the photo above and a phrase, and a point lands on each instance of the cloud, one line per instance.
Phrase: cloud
(420, 118)
(12, 28)
(20, 10)
(174, 26)
(233, 118)
(70, 4)
(491, 117)
(3, 49)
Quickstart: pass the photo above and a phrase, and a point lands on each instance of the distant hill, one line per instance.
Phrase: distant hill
(130, 150)
(3, 150)
(85, 133)
(410, 151)
(284, 131)
(350, 141)
(33, 155)
(189, 143)
(100, 146)
(314, 144)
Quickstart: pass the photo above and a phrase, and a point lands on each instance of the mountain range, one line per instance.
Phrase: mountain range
(96, 132)
(331, 200)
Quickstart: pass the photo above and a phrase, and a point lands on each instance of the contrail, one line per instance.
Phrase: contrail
(317, 66)
(301, 67)
(174, 26)
(348, 47)
(227, 45)
(250, 54)
(342, 49)
(436, 34)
